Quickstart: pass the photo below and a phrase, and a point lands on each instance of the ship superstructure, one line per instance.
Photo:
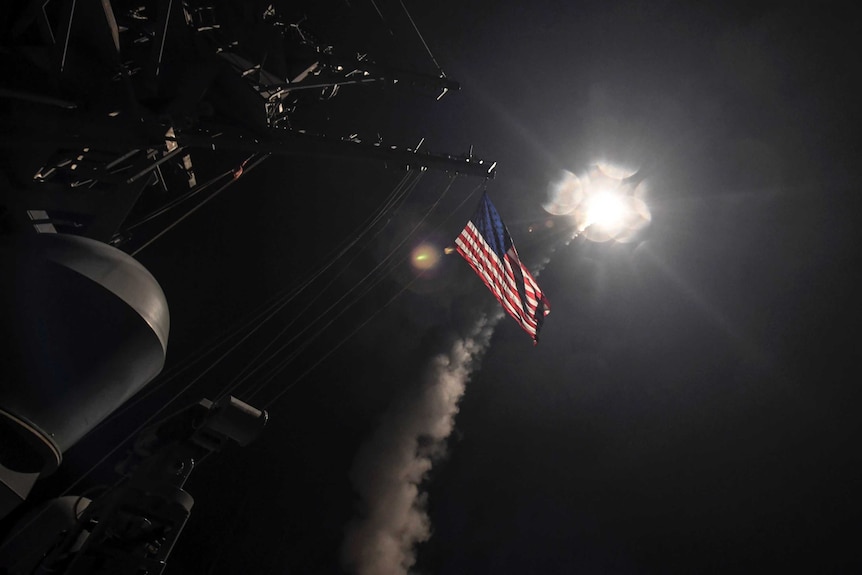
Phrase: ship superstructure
(115, 117)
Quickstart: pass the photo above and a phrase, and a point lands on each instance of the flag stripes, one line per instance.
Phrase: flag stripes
(482, 243)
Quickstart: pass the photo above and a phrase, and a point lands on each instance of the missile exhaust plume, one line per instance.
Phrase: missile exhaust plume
(390, 467)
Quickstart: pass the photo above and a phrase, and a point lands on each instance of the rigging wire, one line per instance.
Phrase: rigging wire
(382, 19)
(151, 419)
(174, 372)
(401, 189)
(270, 375)
(332, 350)
(350, 335)
(243, 376)
(424, 43)
(267, 311)
(237, 175)
(356, 299)
(390, 268)
(278, 368)
(178, 200)
(291, 357)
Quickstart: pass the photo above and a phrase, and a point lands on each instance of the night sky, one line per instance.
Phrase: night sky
(692, 404)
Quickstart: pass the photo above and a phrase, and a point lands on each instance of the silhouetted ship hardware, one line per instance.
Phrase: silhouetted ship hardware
(108, 106)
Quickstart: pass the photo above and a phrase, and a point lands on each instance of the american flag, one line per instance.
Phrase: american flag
(486, 245)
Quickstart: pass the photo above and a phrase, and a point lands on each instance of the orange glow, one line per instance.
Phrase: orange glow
(424, 257)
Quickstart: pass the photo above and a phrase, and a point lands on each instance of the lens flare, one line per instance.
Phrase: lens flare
(604, 202)
(615, 171)
(605, 209)
(424, 257)
(564, 194)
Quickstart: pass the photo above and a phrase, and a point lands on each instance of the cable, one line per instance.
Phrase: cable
(192, 382)
(335, 348)
(269, 315)
(278, 368)
(418, 33)
(268, 310)
(281, 365)
(202, 204)
(271, 375)
(343, 309)
(176, 396)
(178, 200)
(382, 19)
(400, 193)
(168, 376)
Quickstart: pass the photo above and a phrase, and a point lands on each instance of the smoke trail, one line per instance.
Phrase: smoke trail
(391, 465)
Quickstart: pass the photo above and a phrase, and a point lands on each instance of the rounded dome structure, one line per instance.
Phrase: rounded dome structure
(84, 327)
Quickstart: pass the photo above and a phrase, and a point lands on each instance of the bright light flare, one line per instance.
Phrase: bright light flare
(425, 257)
(604, 204)
(565, 194)
(615, 171)
(606, 210)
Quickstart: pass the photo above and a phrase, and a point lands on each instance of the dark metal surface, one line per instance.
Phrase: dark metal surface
(84, 327)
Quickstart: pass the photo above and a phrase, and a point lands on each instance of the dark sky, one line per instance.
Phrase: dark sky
(692, 404)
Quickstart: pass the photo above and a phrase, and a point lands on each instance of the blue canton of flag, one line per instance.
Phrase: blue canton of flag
(486, 245)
